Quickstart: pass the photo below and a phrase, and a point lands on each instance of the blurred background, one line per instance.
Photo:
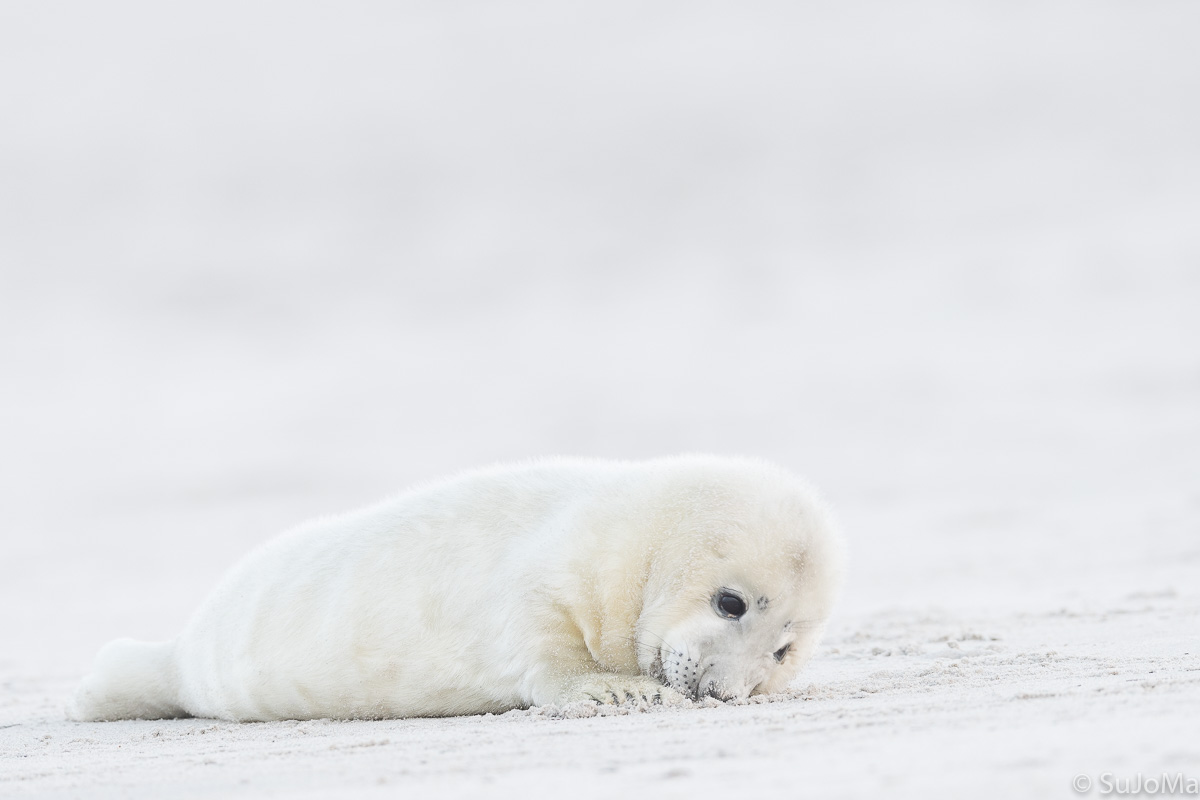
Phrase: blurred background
(263, 261)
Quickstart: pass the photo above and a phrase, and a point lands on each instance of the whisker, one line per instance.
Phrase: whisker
(804, 624)
(646, 645)
(650, 648)
(662, 642)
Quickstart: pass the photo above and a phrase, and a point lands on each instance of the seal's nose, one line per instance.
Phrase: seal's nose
(714, 689)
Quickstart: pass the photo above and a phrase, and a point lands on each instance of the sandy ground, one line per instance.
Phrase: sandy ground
(942, 260)
(907, 703)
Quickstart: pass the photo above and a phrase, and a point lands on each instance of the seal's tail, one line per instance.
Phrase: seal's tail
(130, 680)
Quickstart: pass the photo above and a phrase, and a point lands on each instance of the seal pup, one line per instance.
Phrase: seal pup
(545, 582)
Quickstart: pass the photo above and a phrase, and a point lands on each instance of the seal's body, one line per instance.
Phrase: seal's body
(539, 583)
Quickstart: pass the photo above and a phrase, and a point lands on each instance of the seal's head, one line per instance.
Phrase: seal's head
(741, 585)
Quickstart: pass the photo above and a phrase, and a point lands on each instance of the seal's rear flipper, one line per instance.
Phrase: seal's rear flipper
(130, 680)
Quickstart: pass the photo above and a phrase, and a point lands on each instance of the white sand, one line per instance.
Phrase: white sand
(943, 260)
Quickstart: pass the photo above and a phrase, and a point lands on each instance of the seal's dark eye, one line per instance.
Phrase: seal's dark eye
(730, 605)
(781, 652)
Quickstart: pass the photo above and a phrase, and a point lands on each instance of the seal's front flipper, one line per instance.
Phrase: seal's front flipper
(614, 689)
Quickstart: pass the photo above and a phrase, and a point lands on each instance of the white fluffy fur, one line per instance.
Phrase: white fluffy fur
(522, 585)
